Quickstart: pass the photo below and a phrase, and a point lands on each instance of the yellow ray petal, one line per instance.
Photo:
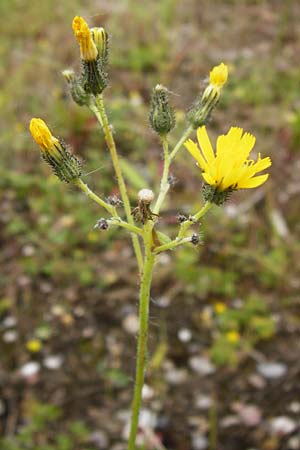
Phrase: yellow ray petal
(226, 143)
(262, 164)
(253, 182)
(209, 179)
(205, 144)
(195, 152)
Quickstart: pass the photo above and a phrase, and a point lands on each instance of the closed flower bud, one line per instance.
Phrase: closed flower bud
(102, 224)
(65, 165)
(195, 239)
(161, 117)
(77, 92)
(202, 109)
(100, 38)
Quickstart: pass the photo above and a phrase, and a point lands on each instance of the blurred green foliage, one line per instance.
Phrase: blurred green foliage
(239, 329)
(39, 433)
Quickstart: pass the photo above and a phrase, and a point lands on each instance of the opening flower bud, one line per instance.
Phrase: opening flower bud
(88, 49)
(202, 109)
(65, 165)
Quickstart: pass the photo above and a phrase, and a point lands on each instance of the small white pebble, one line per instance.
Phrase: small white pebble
(164, 259)
(53, 362)
(99, 439)
(282, 425)
(131, 323)
(10, 336)
(203, 402)
(294, 443)
(201, 365)
(184, 335)
(163, 301)
(294, 407)
(28, 250)
(9, 321)
(272, 370)
(199, 442)
(30, 369)
(147, 392)
(176, 376)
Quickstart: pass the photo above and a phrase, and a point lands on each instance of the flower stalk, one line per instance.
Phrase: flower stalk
(84, 187)
(149, 262)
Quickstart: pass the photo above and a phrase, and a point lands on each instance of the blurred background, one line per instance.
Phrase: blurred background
(223, 366)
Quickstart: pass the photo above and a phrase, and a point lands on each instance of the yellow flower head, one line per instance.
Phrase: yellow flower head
(83, 34)
(42, 135)
(218, 75)
(233, 336)
(229, 168)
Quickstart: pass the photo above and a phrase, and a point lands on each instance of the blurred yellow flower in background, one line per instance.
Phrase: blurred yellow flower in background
(220, 307)
(34, 345)
(233, 336)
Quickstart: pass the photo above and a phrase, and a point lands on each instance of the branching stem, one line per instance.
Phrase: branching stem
(99, 110)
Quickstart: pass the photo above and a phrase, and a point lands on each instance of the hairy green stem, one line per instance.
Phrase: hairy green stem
(149, 262)
(99, 111)
(186, 225)
(121, 223)
(84, 187)
(168, 157)
(170, 245)
(180, 142)
(164, 184)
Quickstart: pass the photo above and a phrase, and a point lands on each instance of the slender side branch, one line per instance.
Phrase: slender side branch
(164, 184)
(100, 113)
(168, 157)
(186, 225)
(180, 142)
(173, 244)
(121, 223)
(84, 187)
(143, 333)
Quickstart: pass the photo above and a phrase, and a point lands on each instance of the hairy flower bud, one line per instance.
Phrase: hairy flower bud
(161, 117)
(65, 165)
(212, 195)
(77, 92)
(102, 224)
(202, 109)
(195, 239)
